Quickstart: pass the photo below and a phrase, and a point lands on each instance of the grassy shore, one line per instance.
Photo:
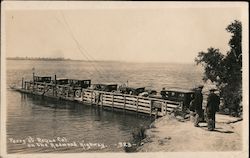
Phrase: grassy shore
(170, 134)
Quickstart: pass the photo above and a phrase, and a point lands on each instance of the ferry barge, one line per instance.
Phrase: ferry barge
(103, 95)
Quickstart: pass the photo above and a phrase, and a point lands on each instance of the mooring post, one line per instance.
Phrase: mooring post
(55, 78)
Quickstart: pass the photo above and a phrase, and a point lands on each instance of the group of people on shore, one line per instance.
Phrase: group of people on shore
(213, 102)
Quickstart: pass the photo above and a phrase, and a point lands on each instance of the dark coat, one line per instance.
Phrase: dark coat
(198, 99)
(213, 102)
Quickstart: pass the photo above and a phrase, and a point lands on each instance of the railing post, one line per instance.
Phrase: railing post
(91, 97)
(183, 110)
(82, 94)
(66, 92)
(81, 97)
(25, 85)
(22, 82)
(33, 86)
(55, 88)
(44, 86)
(166, 107)
(63, 92)
(150, 107)
(33, 74)
(124, 102)
(53, 92)
(137, 101)
(112, 101)
(102, 100)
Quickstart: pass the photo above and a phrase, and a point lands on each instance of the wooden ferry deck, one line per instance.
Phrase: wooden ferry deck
(138, 104)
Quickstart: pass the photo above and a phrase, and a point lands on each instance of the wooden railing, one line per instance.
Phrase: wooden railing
(152, 106)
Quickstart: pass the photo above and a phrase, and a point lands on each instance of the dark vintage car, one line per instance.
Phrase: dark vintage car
(79, 83)
(183, 95)
(132, 90)
(42, 79)
(105, 87)
(62, 81)
(74, 83)
(148, 93)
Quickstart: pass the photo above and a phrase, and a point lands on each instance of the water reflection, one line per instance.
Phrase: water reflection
(49, 118)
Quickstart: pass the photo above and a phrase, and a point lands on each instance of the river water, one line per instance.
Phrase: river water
(38, 125)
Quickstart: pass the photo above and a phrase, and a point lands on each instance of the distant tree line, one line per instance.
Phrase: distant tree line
(226, 70)
(37, 58)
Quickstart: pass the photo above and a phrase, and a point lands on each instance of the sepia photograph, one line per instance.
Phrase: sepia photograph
(123, 78)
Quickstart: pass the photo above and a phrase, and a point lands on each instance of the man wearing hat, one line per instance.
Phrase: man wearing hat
(197, 102)
(213, 102)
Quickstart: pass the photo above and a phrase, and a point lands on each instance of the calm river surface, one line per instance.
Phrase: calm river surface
(48, 120)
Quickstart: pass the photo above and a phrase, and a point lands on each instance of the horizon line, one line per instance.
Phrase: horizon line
(82, 60)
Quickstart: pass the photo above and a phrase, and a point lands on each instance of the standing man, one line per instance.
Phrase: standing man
(213, 102)
(197, 102)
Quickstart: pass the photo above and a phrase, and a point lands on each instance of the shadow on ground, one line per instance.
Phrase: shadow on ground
(219, 129)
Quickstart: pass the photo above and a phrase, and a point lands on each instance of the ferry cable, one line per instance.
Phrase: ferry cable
(69, 33)
(87, 54)
(82, 49)
(78, 44)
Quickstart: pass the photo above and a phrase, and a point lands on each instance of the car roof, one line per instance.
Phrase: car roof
(61, 79)
(179, 90)
(105, 84)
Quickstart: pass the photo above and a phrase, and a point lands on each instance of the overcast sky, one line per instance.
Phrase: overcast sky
(129, 34)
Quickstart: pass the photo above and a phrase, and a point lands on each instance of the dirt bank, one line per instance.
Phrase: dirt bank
(169, 134)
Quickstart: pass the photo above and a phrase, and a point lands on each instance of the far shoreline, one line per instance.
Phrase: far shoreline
(97, 61)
